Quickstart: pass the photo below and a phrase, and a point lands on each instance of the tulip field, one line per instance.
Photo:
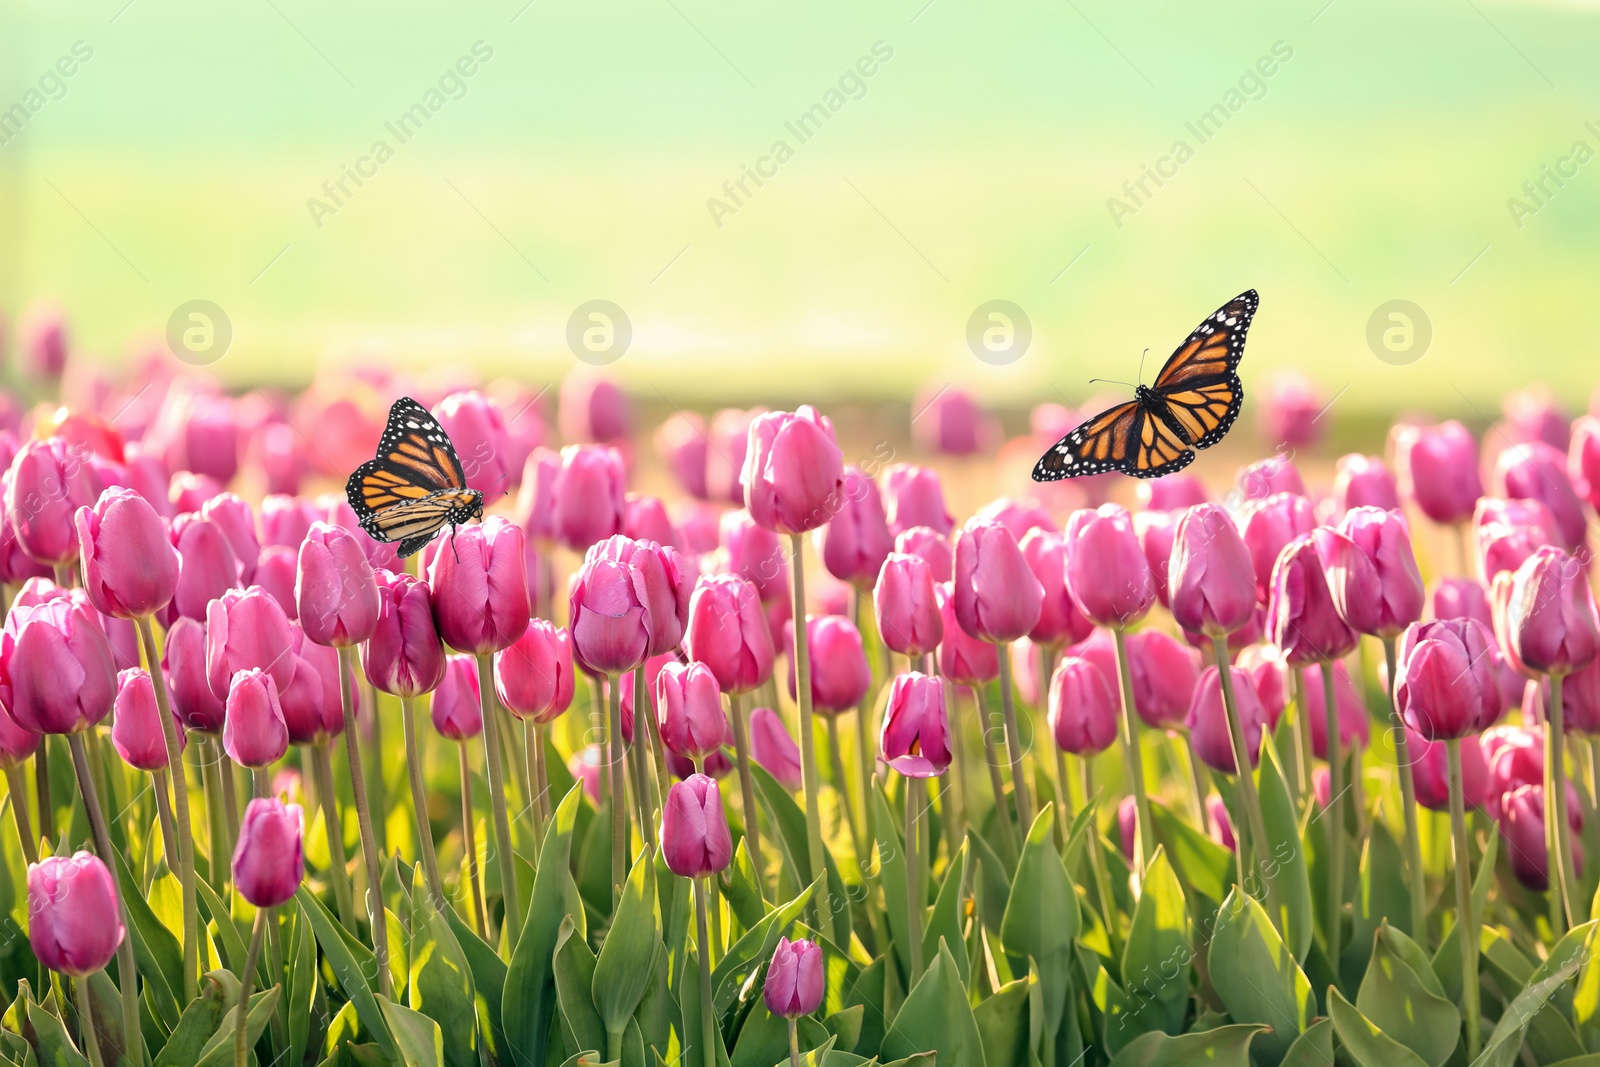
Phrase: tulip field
(722, 739)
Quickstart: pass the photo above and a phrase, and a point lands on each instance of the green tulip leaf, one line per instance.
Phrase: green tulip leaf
(1201, 863)
(1041, 917)
(1314, 1048)
(574, 977)
(156, 952)
(302, 987)
(845, 1026)
(1550, 1035)
(218, 1052)
(1002, 1020)
(936, 1017)
(1285, 867)
(350, 971)
(1505, 1042)
(439, 981)
(527, 1001)
(1381, 896)
(1363, 1041)
(1155, 961)
(945, 919)
(488, 983)
(420, 1040)
(627, 955)
(50, 1038)
(754, 949)
(1402, 997)
(1256, 976)
(1225, 1046)
(219, 992)
(892, 877)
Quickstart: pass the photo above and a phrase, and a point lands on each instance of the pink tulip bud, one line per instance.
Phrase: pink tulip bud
(906, 609)
(1018, 516)
(588, 496)
(16, 743)
(1502, 548)
(285, 520)
(645, 519)
(1269, 673)
(16, 566)
(1302, 619)
(456, 705)
(536, 509)
(43, 342)
(246, 628)
(312, 705)
(755, 554)
(913, 496)
(1522, 829)
(206, 567)
(1222, 823)
(480, 587)
(1264, 477)
(237, 522)
(794, 983)
(932, 546)
(50, 481)
(1208, 721)
(694, 832)
(1060, 621)
(1544, 613)
(404, 655)
(1290, 411)
(1210, 578)
(856, 541)
(1363, 481)
(74, 922)
(997, 597)
(1372, 574)
(730, 437)
(1164, 672)
(1174, 492)
(1580, 699)
(773, 749)
(699, 525)
(689, 709)
(61, 671)
(189, 491)
(1128, 826)
(183, 656)
(477, 428)
(793, 474)
(1460, 598)
(1106, 569)
(591, 408)
(1347, 705)
(840, 676)
(1430, 763)
(1536, 471)
(1266, 526)
(269, 861)
(1583, 459)
(915, 738)
(1447, 685)
(1083, 712)
(1533, 415)
(728, 633)
(130, 569)
(1156, 530)
(533, 676)
(136, 727)
(336, 595)
(630, 600)
(1437, 468)
(950, 423)
(963, 659)
(254, 734)
(682, 443)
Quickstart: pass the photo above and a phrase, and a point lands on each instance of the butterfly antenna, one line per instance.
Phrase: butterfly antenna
(1113, 381)
(1141, 366)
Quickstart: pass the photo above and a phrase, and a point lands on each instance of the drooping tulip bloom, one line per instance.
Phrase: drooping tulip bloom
(1173, 492)
(1106, 569)
(63, 679)
(588, 496)
(269, 862)
(1437, 468)
(1347, 706)
(755, 554)
(534, 675)
(336, 595)
(1060, 621)
(1430, 765)
(913, 496)
(1083, 709)
(455, 706)
(857, 539)
(246, 628)
(480, 587)
(1156, 530)
(964, 659)
(1266, 526)
(682, 443)
(1210, 578)
(404, 655)
(997, 597)
(1363, 481)
(74, 922)
(728, 633)
(130, 568)
(932, 547)
(773, 749)
(1371, 571)
(694, 831)
(50, 481)
(915, 739)
(906, 608)
(254, 734)
(1302, 619)
(311, 702)
(689, 709)
(793, 473)
(630, 600)
(1447, 686)
(1264, 477)
(136, 727)
(1208, 722)
(795, 983)
(840, 676)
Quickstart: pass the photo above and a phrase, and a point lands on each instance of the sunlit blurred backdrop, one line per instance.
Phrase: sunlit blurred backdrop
(812, 203)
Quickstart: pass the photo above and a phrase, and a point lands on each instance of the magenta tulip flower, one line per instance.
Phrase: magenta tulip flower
(755, 554)
(130, 568)
(285, 520)
(1291, 408)
(1522, 823)
(997, 597)
(16, 743)
(1347, 706)
(206, 569)
(1128, 826)
(480, 587)
(1583, 459)
(645, 519)
(74, 922)
(1460, 598)
(1164, 670)
(136, 726)
(591, 408)
(311, 703)
(63, 679)
(188, 682)
(1106, 569)
(1430, 771)
(533, 676)
(335, 593)
(728, 633)
(1437, 468)
(630, 600)
(477, 428)
(682, 443)
(795, 983)
(1446, 685)
(1264, 477)
(1173, 492)
(913, 496)
(1156, 530)
(456, 708)
(254, 734)
(276, 574)
(1363, 481)
(1208, 722)
(1302, 618)
(1269, 674)
(1536, 471)
(694, 832)
(1372, 574)
(856, 541)
(915, 736)
(1266, 526)
(50, 481)
(689, 709)
(1060, 621)
(1019, 516)
(1545, 614)
(233, 516)
(269, 861)
(404, 655)
(950, 422)
(906, 608)
(588, 496)
(933, 548)
(840, 676)
(730, 437)
(1210, 578)
(774, 750)
(793, 474)
(964, 659)
(1083, 709)
(246, 628)
(536, 496)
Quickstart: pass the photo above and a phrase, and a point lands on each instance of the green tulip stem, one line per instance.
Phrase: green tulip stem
(957, 817)
(184, 856)
(533, 749)
(1008, 708)
(369, 840)
(866, 751)
(41, 790)
(19, 810)
(333, 826)
(1002, 808)
(373, 763)
(1466, 921)
(419, 801)
(708, 1021)
(241, 1013)
(808, 738)
(1555, 806)
(1304, 774)
(794, 1043)
(1415, 875)
(469, 846)
(1132, 757)
(644, 706)
(1334, 814)
(169, 829)
(747, 784)
(1259, 848)
(916, 797)
(497, 800)
(619, 792)
(127, 971)
(230, 797)
(91, 1040)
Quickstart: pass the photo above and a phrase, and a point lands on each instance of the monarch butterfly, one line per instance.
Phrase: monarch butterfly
(1192, 405)
(415, 485)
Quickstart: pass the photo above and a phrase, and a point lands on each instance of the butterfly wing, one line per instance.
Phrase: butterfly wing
(1158, 450)
(1106, 442)
(415, 484)
(420, 520)
(1200, 381)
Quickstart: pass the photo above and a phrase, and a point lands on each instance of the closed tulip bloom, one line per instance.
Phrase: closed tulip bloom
(16, 566)
(1291, 408)
(206, 568)
(404, 655)
(1164, 675)
(1526, 511)
(1430, 764)
(50, 481)
(652, 670)
(183, 656)
(276, 574)
(1302, 618)
(269, 861)
(477, 428)
(730, 437)
(254, 734)
(1437, 469)
(915, 739)
(932, 546)
(964, 659)
(1208, 721)
(588, 496)
(755, 554)
(130, 568)
(534, 676)
(997, 597)
(689, 709)
(1019, 516)
(1266, 526)
(645, 519)
(1128, 826)
(536, 499)
(913, 496)
(840, 676)
(773, 749)
(74, 923)
(1221, 823)
(716, 765)
(683, 445)
(335, 592)
(1446, 686)
(1083, 712)
(630, 600)
(794, 983)
(591, 408)
(1210, 577)
(906, 607)
(480, 587)
(1106, 569)
(1545, 614)
(16, 744)
(694, 832)
(1371, 571)
(63, 678)
(1347, 706)
(237, 522)
(1060, 621)
(1503, 548)
(1156, 531)
(1532, 415)
(1264, 477)
(857, 539)
(312, 706)
(285, 520)
(1269, 673)
(950, 423)
(1363, 481)
(1522, 829)
(136, 727)
(246, 628)
(1580, 699)
(728, 633)
(1537, 471)
(1173, 492)
(793, 474)
(699, 525)
(455, 706)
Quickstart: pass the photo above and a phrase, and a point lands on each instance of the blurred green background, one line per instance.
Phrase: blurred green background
(1375, 163)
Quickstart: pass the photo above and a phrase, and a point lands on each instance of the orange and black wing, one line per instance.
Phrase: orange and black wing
(415, 482)
(1200, 382)
(1107, 442)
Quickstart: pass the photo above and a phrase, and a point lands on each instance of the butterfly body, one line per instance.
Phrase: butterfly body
(415, 486)
(1192, 404)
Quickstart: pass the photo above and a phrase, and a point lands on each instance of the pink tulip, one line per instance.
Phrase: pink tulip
(285, 520)
(1430, 763)
(997, 597)
(932, 546)
(793, 474)
(480, 587)
(1502, 548)
(689, 709)
(43, 342)
(1545, 615)
(698, 523)
(1019, 516)
(682, 443)
(840, 676)
(1302, 617)
(1083, 711)
(1156, 531)
(1522, 830)
(730, 438)
(1583, 459)
(630, 600)
(246, 628)
(534, 675)
(477, 428)
(728, 633)
(184, 659)
(1106, 569)
(795, 983)
(1363, 481)
(1269, 674)
(1580, 699)
(625, 684)
(50, 481)
(16, 743)
(1264, 477)
(455, 705)
(1208, 722)
(915, 738)
(588, 496)
(206, 568)
(1347, 705)
(1437, 468)
(336, 595)
(312, 705)
(268, 862)
(136, 727)
(913, 496)
(74, 921)
(1536, 471)
(16, 566)
(1290, 410)
(1128, 826)
(587, 766)
(1164, 676)
(1532, 415)
(1447, 686)
(60, 669)
(1210, 577)
(773, 749)
(694, 832)
(254, 734)
(1269, 524)
(1371, 571)
(1222, 823)
(857, 539)
(716, 765)
(592, 408)
(404, 655)
(755, 554)
(237, 522)
(950, 423)
(1060, 621)
(1174, 492)
(645, 519)
(906, 608)
(536, 500)
(130, 569)
(965, 660)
